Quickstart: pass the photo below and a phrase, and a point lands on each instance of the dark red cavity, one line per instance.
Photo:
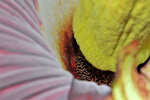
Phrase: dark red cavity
(76, 63)
(67, 51)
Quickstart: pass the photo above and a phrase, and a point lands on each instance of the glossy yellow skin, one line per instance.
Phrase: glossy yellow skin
(103, 27)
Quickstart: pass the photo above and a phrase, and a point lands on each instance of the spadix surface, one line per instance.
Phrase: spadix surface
(103, 27)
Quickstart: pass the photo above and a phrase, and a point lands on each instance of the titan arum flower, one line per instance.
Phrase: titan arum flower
(103, 28)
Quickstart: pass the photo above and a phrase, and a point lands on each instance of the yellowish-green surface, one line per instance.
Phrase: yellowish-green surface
(103, 27)
(129, 84)
(125, 86)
